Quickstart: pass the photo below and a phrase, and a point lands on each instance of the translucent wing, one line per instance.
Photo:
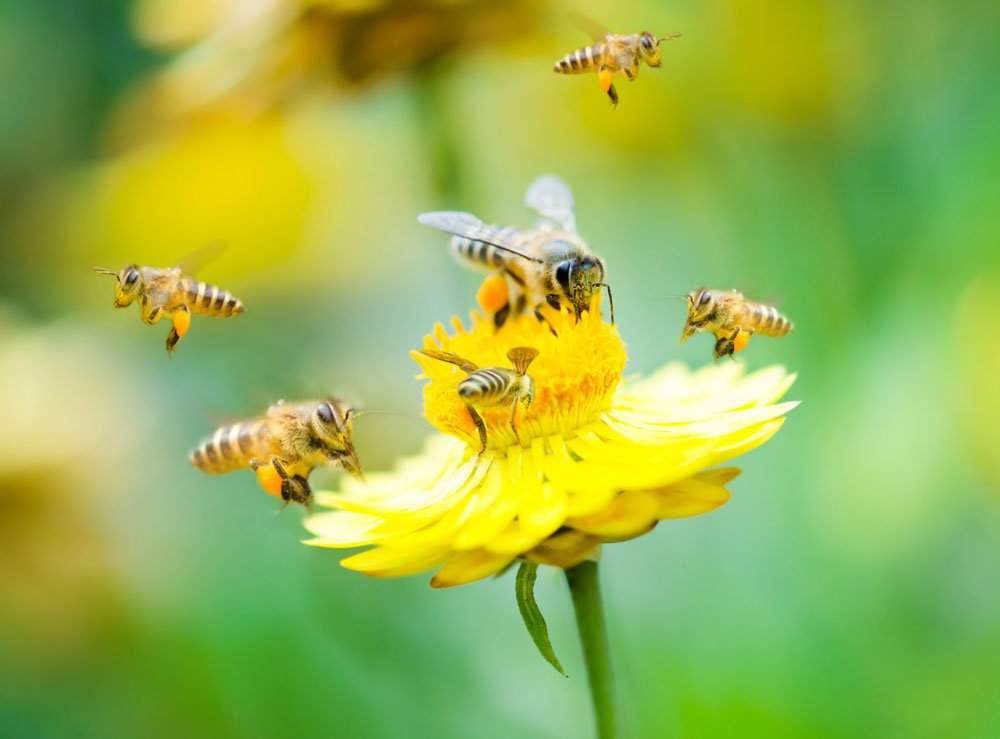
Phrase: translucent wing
(589, 26)
(468, 226)
(464, 364)
(551, 198)
(192, 263)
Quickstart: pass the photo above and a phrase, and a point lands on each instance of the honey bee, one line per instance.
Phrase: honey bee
(173, 292)
(548, 264)
(612, 53)
(493, 387)
(732, 318)
(283, 446)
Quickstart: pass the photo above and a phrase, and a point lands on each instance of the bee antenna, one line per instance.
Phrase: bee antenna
(611, 300)
(670, 37)
(106, 271)
(368, 412)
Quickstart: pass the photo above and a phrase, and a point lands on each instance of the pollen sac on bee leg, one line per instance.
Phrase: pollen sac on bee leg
(741, 341)
(182, 322)
(269, 479)
(493, 294)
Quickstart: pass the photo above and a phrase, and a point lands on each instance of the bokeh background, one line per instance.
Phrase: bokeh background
(840, 156)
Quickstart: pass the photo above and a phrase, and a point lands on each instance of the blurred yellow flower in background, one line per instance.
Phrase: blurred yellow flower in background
(599, 460)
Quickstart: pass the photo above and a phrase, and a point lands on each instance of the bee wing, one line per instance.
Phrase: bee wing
(463, 364)
(551, 198)
(468, 226)
(194, 262)
(597, 31)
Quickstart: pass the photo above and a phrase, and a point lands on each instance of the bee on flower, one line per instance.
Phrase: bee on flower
(493, 387)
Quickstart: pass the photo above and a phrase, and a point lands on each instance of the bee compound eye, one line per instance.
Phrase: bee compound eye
(562, 274)
(647, 43)
(704, 299)
(325, 412)
(132, 277)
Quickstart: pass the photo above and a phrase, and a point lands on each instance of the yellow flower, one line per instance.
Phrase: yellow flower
(594, 459)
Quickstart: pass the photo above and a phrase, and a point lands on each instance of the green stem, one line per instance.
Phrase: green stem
(586, 592)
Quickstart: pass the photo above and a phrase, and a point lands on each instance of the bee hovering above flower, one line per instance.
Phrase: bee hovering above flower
(174, 292)
(283, 446)
(546, 265)
(732, 318)
(493, 387)
(612, 53)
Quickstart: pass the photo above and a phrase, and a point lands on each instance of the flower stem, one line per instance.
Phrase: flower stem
(586, 592)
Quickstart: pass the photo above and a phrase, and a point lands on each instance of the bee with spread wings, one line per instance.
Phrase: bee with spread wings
(549, 264)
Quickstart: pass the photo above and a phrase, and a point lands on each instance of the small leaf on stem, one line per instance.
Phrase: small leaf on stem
(524, 586)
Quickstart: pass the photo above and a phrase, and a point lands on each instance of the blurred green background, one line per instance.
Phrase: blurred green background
(840, 156)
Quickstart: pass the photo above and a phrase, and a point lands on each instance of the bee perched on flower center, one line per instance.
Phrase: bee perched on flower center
(571, 378)
(493, 387)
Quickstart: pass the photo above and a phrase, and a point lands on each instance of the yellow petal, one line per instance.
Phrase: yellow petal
(466, 567)
(566, 549)
(631, 513)
(691, 497)
(391, 562)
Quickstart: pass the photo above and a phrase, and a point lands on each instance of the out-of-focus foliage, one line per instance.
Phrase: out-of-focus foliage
(838, 156)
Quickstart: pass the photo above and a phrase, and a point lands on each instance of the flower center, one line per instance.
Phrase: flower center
(575, 375)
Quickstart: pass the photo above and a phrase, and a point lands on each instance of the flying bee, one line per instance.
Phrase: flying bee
(612, 53)
(283, 446)
(546, 265)
(173, 292)
(732, 318)
(493, 387)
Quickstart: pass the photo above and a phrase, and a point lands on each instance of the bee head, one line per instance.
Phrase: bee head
(701, 305)
(649, 49)
(579, 279)
(127, 284)
(333, 424)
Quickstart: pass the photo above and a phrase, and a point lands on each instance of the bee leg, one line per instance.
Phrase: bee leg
(149, 313)
(500, 317)
(604, 77)
(725, 346)
(513, 415)
(296, 490)
(480, 426)
(300, 492)
(541, 317)
(182, 320)
(293, 489)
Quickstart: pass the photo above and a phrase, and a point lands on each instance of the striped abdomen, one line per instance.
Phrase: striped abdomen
(765, 319)
(232, 447)
(210, 300)
(489, 386)
(587, 59)
(481, 253)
